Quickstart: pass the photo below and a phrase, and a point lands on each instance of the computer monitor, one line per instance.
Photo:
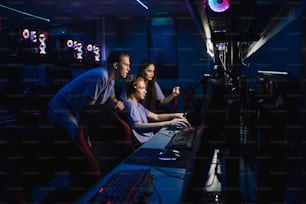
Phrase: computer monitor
(208, 138)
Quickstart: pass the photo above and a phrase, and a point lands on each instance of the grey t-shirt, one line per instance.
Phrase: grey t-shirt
(93, 83)
(137, 112)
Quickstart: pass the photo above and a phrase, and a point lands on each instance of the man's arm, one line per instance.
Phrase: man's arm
(86, 101)
(116, 104)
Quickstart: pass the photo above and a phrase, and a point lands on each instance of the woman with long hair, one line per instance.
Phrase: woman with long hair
(147, 71)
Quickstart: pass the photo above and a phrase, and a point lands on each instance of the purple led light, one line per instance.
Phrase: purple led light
(220, 31)
(219, 5)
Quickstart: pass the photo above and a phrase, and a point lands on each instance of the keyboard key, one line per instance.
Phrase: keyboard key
(182, 140)
(126, 186)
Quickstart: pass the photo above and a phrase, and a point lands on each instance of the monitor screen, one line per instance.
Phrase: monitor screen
(209, 137)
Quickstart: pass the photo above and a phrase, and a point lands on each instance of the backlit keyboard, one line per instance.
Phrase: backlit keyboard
(126, 186)
(183, 139)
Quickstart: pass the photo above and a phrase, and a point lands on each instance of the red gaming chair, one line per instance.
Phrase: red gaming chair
(106, 136)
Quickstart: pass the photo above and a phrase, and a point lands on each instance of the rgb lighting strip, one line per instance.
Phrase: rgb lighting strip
(219, 5)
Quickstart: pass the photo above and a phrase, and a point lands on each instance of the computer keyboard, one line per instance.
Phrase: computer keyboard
(182, 139)
(126, 186)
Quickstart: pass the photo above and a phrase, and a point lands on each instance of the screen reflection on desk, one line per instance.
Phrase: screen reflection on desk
(168, 181)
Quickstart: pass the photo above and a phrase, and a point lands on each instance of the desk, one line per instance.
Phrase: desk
(168, 181)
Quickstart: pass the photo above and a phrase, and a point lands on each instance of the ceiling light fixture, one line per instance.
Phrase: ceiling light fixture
(142, 4)
(218, 5)
(24, 13)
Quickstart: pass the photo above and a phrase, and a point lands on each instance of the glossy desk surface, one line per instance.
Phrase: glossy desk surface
(168, 181)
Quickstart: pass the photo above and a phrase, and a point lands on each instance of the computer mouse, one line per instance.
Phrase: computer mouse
(183, 124)
(179, 126)
(187, 124)
(169, 154)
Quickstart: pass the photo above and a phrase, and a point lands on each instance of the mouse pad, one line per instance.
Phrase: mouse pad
(149, 157)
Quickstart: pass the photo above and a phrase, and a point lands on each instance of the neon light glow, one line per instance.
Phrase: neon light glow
(89, 47)
(36, 36)
(42, 43)
(78, 46)
(80, 50)
(96, 50)
(24, 13)
(33, 36)
(69, 43)
(26, 33)
(142, 4)
(97, 53)
(219, 5)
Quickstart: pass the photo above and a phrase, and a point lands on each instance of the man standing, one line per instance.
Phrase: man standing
(93, 87)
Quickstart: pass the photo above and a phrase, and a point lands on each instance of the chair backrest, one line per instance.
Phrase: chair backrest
(174, 104)
(107, 135)
(124, 142)
(127, 135)
(132, 143)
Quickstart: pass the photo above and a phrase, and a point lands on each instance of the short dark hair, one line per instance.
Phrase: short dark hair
(115, 56)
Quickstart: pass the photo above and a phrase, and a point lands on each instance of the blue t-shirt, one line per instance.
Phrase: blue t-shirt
(137, 112)
(93, 83)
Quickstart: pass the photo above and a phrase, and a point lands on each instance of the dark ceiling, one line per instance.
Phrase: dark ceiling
(68, 11)
(74, 11)
(247, 19)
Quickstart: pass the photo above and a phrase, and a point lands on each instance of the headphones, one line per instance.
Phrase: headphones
(131, 84)
(133, 81)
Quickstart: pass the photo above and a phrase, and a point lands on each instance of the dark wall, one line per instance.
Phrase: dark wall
(134, 34)
(283, 53)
